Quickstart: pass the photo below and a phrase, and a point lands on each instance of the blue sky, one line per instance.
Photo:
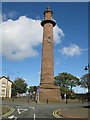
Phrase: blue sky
(70, 47)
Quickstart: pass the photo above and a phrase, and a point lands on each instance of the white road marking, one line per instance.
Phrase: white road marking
(34, 116)
(18, 111)
(15, 118)
(32, 107)
(11, 117)
(17, 105)
(21, 110)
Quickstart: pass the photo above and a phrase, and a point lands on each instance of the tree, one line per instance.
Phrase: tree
(73, 81)
(14, 91)
(32, 89)
(66, 81)
(85, 81)
(19, 86)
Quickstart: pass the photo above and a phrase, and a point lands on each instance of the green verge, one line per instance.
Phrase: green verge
(6, 111)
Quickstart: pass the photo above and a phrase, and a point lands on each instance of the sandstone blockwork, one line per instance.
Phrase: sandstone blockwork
(48, 91)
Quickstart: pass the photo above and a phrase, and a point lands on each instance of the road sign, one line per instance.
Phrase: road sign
(38, 90)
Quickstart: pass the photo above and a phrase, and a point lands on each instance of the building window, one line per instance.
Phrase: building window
(3, 84)
(3, 92)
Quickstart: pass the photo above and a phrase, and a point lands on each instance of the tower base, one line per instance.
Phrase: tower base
(49, 93)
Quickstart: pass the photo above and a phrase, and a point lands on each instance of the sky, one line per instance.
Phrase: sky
(22, 39)
(45, 0)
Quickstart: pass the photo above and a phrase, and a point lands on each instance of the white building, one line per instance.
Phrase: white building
(5, 87)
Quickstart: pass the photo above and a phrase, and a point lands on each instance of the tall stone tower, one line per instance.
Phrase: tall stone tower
(48, 91)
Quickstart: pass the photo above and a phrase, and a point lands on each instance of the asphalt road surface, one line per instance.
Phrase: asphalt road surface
(32, 111)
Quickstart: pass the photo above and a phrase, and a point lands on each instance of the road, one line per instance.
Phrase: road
(35, 110)
(32, 110)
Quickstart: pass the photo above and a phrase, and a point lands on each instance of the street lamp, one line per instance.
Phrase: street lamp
(86, 67)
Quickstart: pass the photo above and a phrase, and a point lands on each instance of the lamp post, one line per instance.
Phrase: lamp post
(66, 95)
(72, 82)
(86, 69)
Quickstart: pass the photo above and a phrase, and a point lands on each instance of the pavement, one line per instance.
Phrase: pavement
(72, 113)
(51, 111)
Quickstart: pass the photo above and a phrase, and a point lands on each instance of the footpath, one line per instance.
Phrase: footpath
(72, 112)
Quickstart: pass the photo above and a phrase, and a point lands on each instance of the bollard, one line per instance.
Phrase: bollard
(82, 100)
(13, 99)
(66, 101)
(28, 101)
(47, 100)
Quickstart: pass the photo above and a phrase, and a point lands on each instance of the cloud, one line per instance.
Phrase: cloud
(22, 36)
(58, 34)
(39, 72)
(0, 18)
(79, 89)
(0, 34)
(72, 50)
(9, 15)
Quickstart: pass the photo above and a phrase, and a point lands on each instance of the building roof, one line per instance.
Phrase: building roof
(6, 77)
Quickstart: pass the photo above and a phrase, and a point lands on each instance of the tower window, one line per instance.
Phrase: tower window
(49, 39)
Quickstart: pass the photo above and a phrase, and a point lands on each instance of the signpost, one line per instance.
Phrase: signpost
(38, 91)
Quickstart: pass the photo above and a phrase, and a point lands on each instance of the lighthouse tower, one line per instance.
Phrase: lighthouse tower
(48, 91)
